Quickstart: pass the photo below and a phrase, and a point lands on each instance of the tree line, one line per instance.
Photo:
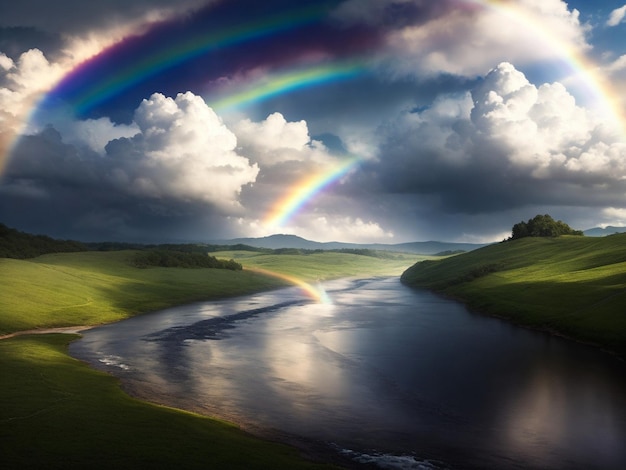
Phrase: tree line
(181, 259)
(20, 245)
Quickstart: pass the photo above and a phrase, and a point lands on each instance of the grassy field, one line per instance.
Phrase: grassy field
(56, 412)
(574, 286)
(325, 265)
(87, 288)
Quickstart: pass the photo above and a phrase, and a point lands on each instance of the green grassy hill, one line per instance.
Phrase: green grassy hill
(575, 286)
(70, 289)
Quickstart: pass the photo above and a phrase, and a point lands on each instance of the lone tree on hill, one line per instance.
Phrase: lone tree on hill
(542, 226)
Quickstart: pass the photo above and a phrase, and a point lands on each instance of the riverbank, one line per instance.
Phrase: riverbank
(57, 410)
(382, 371)
(573, 287)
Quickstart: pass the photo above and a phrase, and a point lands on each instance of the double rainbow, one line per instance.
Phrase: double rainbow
(278, 83)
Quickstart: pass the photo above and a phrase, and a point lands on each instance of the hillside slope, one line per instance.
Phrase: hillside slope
(574, 286)
(70, 289)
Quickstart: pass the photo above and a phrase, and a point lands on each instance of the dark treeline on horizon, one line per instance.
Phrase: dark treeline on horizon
(181, 259)
(21, 245)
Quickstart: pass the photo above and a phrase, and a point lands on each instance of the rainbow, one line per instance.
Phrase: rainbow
(575, 61)
(316, 293)
(179, 53)
(83, 95)
(277, 84)
(304, 191)
(109, 86)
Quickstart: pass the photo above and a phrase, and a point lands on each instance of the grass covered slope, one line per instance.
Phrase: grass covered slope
(70, 289)
(58, 413)
(320, 266)
(574, 286)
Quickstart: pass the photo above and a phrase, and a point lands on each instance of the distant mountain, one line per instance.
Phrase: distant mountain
(293, 241)
(603, 232)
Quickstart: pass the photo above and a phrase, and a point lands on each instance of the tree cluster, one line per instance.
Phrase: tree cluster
(542, 226)
(181, 259)
(20, 245)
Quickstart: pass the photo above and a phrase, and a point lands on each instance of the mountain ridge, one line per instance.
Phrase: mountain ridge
(294, 241)
(603, 232)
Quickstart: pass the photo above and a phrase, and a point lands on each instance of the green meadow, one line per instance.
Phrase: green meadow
(574, 286)
(56, 412)
(88, 288)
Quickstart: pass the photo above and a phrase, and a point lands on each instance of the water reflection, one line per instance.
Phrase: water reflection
(538, 419)
(385, 369)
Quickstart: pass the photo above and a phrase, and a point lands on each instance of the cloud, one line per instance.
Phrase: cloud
(75, 17)
(16, 40)
(181, 161)
(506, 144)
(72, 31)
(274, 140)
(183, 151)
(614, 216)
(467, 38)
(175, 164)
(616, 16)
(349, 229)
(326, 228)
(22, 81)
(617, 66)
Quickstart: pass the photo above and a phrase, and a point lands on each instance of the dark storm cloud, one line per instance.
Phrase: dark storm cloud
(76, 17)
(393, 14)
(179, 170)
(16, 40)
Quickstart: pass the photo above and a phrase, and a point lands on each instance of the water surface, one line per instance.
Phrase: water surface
(384, 371)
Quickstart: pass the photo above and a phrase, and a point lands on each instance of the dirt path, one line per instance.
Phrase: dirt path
(44, 331)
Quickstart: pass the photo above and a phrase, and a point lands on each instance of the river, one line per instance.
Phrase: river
(385, 374)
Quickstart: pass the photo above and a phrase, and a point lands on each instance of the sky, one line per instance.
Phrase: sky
(364, 121)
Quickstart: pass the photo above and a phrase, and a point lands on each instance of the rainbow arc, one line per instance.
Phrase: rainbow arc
(317, 293)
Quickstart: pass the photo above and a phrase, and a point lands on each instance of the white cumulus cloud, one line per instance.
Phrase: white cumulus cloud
(324, 228)
(506, 144)
(274, 140)
(616, 16)
(466, 38)
(21, 82)
(182, 150)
